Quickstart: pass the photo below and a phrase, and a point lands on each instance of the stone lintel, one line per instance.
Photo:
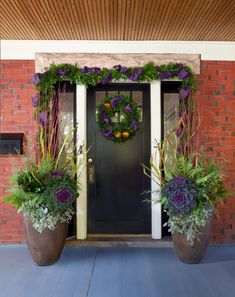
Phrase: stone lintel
(43, 60)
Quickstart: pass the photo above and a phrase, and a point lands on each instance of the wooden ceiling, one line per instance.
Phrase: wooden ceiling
(189, 20)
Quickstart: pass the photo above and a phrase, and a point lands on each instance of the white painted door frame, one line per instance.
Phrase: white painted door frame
(155, 100)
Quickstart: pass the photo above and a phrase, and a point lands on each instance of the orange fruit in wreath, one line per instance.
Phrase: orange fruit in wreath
(117, 134)
(125, 134)
(107, 106)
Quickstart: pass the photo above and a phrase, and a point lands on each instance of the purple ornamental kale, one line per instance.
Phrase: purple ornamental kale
(107, 133)
(63, 196)
(36, 79)
(184, 92)
(181, 193)
(43, 118)
(115, 101)
(35, 100)
(120, 69)
(166, 74)
(134, 124)
(135, 75)
(128, 108)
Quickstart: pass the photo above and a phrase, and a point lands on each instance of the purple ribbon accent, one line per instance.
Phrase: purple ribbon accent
(115, 101)
(184, 92)
(43, 118)
(166, 74)
(135, 75)
(134, 124)
(107, 133)
(128, 108)
(107, 79)
(36, 79)
(35, 100)
(120, 69)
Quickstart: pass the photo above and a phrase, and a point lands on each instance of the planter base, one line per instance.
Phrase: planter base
(193, 254)
(45, 247)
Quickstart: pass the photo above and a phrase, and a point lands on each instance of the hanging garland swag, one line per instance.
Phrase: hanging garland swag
(118, 118)
(91, 76)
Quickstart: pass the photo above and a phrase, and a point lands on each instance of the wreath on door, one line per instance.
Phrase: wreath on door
(118, 118)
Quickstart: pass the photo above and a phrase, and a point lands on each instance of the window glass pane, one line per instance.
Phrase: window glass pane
(112, 93)
(66, 118)
(125, 93)
(137, 96)
(170, 111)
(99, 96)
(171, 103)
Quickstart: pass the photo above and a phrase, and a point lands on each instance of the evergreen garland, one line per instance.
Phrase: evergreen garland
(92, 76)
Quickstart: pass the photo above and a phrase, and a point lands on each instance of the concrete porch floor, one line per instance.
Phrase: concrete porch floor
(117, 272)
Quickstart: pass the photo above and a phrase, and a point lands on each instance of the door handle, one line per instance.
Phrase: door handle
(91, 174)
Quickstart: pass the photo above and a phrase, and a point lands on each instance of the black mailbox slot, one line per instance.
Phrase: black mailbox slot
(11, 143)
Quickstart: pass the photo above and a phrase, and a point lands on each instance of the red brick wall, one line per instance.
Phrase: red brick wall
(16, 115)
(216, 97)
(216, 92)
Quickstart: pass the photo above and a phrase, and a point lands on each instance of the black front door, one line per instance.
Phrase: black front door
(115, 177)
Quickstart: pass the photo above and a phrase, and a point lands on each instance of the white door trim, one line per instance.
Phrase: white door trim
(81, 221)
(155, 99)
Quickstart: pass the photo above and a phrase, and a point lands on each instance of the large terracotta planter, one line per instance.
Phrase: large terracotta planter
(193, 254)
(45, 247)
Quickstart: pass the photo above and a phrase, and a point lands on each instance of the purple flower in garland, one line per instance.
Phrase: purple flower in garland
(134, 124)
(43, 118)
(107, 133)
(184, 92)
(96, 70)
(36, 79)
(35, 100)
(135, 75)
(183, 73)
(115, 101)
(166, 74)
(63, 196)
(91, 70)
(128, 109)
(107, 79)
(181, 193)
(120, 69)
(61, 73)
(180, 65)
(85, 69)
